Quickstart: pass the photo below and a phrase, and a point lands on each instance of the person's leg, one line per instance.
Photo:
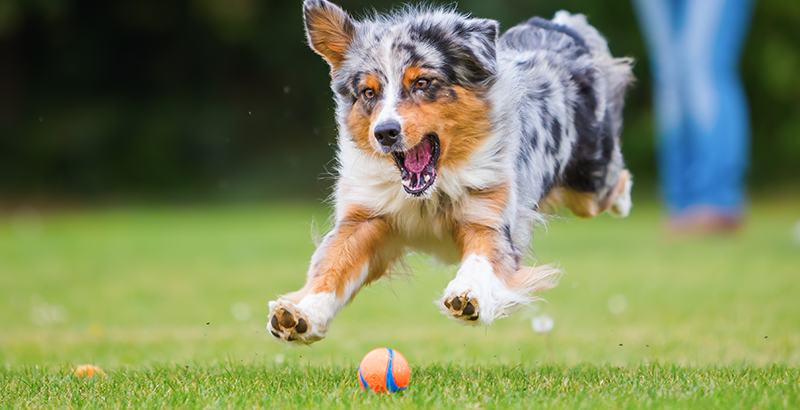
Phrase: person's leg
(659, 21)
(718, 122)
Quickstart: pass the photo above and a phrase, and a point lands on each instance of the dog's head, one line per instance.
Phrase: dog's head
(410, 87)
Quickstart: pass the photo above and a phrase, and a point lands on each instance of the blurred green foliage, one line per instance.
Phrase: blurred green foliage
(223, 97)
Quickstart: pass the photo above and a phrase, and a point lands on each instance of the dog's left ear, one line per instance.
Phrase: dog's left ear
(478, 42)
(329, 29)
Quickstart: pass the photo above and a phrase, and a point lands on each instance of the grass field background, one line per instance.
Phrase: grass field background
(174, 298)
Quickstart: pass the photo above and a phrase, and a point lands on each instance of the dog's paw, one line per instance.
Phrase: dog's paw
(288, 323)
(478, 297)
(462, 308)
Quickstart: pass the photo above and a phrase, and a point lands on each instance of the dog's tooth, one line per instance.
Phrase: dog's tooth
(427, 178)
(406, 182)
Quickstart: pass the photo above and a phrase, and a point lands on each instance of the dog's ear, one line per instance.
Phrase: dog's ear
(329, 29)
(478, 42)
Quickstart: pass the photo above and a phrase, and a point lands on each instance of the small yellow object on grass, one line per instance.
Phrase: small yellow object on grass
(88, 370)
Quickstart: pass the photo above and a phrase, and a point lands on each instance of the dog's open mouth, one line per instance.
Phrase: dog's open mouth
(418, 164)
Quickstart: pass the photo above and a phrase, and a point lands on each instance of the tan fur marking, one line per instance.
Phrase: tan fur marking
(460, 119)
(492, 201)
(584, 204)
(498, 194)
(371, 81)
(411, 74)
(581, 204)
(624, 177)
(472, 238)
(330, 33)
(358, 122)
(480, 236)
(360, 119)
(358, 237)
(552, 201)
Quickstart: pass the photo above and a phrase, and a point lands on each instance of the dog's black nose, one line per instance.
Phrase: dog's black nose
(386, 133)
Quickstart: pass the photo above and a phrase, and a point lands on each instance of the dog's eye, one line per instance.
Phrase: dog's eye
(368, 93)
(422, 83)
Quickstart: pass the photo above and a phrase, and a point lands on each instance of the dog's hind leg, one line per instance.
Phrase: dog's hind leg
(617, 200)
(356, 252)
(620, 198)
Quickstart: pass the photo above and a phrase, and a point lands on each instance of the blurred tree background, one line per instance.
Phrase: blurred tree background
(222, 98)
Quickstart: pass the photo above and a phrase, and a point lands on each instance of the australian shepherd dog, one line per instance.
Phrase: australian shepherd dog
(452, 140)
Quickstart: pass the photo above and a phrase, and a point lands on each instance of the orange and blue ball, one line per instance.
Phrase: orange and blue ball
(384, 370)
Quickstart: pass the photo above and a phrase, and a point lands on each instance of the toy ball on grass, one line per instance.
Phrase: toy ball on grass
(88, 370)
(384, 370)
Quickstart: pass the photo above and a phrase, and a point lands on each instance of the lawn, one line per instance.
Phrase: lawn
(171, 302)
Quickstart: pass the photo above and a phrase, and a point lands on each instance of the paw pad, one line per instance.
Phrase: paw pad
(285, 326)
(461, 307)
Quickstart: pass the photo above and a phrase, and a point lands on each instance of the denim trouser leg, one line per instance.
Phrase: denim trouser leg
(701, 109)
(659, 20)
(718, 115)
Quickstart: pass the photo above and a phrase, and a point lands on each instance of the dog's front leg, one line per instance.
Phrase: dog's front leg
(351, 255)
(490, 282)
(472, 297)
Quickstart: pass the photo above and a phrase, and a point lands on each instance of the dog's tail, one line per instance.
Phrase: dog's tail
(616, 74)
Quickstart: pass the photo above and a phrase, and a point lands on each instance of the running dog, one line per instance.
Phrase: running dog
(451, 141)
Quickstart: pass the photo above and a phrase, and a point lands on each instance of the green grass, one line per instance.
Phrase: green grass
(435, 386)
(146, 292)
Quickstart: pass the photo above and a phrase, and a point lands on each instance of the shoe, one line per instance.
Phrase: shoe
(704, 220)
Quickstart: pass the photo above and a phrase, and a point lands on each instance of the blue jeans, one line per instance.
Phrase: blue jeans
(701, 109)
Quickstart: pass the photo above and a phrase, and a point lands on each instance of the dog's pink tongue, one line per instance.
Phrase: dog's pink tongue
(418, 157)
